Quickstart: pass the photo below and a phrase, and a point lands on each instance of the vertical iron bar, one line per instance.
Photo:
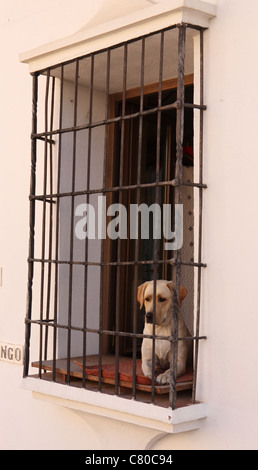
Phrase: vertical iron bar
(50, 235)
(57, 222)
(86, 239)
(178, 200)
(157, 201)
(118, 277)
(69, 332)
(43, 244)
(31, 224)
(197, 332)
(138, 199)
(102, 239)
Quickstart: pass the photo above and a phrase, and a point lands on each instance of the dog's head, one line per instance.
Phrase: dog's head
(164, 300)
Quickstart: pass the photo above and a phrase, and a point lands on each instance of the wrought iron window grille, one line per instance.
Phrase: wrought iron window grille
(48, 331)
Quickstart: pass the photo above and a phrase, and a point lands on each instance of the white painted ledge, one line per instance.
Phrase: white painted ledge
(121, 409)
(98, 35)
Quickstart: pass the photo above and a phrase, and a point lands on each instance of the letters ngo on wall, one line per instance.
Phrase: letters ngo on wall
(12, 353)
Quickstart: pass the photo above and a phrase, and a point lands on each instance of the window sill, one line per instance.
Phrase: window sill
(130, 411)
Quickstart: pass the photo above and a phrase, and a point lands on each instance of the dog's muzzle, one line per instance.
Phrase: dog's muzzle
(149, 317)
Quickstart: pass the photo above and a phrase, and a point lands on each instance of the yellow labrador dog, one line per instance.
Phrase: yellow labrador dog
(163, 324)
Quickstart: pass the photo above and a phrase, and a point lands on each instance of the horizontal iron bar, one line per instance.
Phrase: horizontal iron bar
(49, 141)
(174, 183)
(113, 333)
(192, 26)
(106, 49)
(50, 201)
(195, 106)
(117, 119)
(172, 261)
(116, 46)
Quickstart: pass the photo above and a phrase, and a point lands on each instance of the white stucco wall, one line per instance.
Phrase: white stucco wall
(228, 359)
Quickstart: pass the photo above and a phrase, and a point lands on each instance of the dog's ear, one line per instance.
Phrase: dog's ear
(182, 291)
(182, 294)
(140, 293)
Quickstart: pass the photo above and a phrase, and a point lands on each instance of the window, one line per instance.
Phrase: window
(111, 131)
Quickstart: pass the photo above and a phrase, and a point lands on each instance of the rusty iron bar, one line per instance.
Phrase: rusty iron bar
(172, 183)
(157, 196)
(130, 41)
(117, 119)
(172, 261)
(102, 240)
(70, 289)
(200, 221)
(56, 282)
(86, 239)
(43, 238)
(50, 234)
(117, 46)
(53, 324)
(121, 174)
(43, 138)
(178, 200)
(138, 198)
(31, 226)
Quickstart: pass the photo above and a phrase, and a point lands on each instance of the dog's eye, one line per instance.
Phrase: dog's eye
(162, 299)
(147, 299)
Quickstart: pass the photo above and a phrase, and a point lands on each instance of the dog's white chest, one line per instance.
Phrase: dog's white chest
(162, 350)
(162, 346)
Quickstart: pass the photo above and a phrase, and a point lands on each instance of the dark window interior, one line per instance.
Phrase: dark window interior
(148, 175)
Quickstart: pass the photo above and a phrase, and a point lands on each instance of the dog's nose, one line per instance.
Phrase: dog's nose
(149, 317)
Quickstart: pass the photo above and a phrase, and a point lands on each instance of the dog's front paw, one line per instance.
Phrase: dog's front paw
(147, 369)
(164, 378)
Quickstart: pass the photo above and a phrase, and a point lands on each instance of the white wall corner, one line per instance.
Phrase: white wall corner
(101, 34)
